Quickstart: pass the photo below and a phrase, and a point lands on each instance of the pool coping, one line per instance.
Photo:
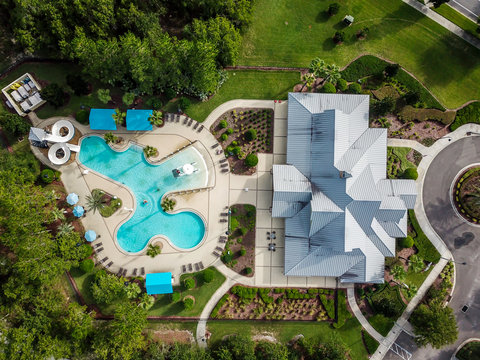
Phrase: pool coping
(157, 236)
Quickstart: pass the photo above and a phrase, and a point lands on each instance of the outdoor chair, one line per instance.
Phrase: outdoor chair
(223, 237)
(190, 268)
(223, 220)
(119, 272)
(99, 250)
(124, 272)
(222, 161)
(197, 268)
(196, 125)
(201, 265)
(184, 269)
(201, 128)
(185, 119)
(215, 145)
(190, 122)
(222, 241)
(142, 271)
(109, 264)
(135, 272)
(224, 170)
(97, 245)
(178, 118)
(219, 248)
(216, 254)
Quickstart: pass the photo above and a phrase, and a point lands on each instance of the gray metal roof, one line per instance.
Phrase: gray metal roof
(342, 215)
(36, 134)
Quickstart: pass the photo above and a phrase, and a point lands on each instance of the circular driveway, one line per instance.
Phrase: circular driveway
(460, 237)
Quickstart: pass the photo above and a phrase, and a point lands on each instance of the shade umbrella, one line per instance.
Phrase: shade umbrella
(90, 235)
(72, 199)
(78, 211)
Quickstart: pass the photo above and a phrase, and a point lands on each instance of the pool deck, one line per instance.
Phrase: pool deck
(224, 189)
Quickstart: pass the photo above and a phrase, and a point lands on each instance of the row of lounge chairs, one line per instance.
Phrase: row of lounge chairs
(189, 268)
(187, 121)
(121, 272)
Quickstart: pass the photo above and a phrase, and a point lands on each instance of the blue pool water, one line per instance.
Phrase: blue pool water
(149, 182)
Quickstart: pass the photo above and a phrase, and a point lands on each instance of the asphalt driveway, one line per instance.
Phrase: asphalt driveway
(470, 8)
(462, 239)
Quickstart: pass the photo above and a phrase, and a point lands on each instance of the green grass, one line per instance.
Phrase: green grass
(458, 19)
(381, 323)
(247, 85)
(202, 293)
(57, 73)
(401, 153)
(416, 279)
(284, 331)
(446, 64)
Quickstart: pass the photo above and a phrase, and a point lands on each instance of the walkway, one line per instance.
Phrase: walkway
(439, 19)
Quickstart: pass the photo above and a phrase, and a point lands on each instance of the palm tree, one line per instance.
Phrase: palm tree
(57, 214)
(64, 229)
(398, 273)
(119, 117)
(150, 151)
(331, 74)
(416, 263)
(110, 138)
(308, 79)
(153, 250)
(317, 67)
(156, 118)
(146, 301)
(95, 201)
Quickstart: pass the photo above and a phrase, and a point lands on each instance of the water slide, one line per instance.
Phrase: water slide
(56, 137)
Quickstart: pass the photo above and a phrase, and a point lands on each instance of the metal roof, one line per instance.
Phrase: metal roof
(342, 215)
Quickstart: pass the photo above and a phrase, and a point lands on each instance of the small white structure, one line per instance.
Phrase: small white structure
(23, 94)
(186, 169)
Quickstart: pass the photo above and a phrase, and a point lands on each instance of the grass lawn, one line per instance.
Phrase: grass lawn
(381, 323)
(416, 279)
(401, 153)
(202, 293)
(57, 73)
(247, 85)
(286, 33)
(458, 19)
(286, 330)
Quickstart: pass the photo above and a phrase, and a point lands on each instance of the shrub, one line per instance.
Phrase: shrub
(468, 114)
(342, 85)
(78, 84)
(409, 113)
(406, 242)
(233, 223)
(82, 116)
(85, 251)
(87, 266)
(229, 131)
(243, 231)
(208, 275)
(184, 103)
(224, 137)
(47, 176)
(14, 124)
(251, 160)
(54, 94)
(245, 293)
(175, 297)
(410, 173)
(333, 9)
(188, 303)
(412, 84)
(227, 257)
(384, 106)
(342, 311)
(104, 95)
(364, 66)
(189, 283)
(387, 307)
(328, 88)
(329, 305)
(391, 70)
(243, 251)
(223, 124)
(339, 37)
(154, 103)
(250, 134)
(169, 94)
(219, 306)
(128, 98)
(354, 88)
(248, 270)
(236, 150)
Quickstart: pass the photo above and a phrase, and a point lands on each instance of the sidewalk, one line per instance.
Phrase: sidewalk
(439, 19)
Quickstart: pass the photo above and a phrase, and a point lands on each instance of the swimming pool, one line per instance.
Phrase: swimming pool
(149, 182)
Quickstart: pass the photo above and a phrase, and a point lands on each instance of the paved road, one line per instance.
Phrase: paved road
(470, 8)
(461, 238)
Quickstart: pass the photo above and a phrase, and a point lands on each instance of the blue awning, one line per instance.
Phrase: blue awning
(101, 119)
(159, 283)
(137, 120)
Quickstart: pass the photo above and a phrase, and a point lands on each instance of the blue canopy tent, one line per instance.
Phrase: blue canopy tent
(72, 199)
(101, 119)
(78, 211)
(90, 235)
(159, 283)
(137, 120)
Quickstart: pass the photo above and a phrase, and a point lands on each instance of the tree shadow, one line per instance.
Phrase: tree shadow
(340, 26)
(322, 17)
(328, 44)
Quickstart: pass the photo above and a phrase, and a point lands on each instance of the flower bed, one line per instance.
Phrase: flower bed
(467, 195)
(242, 303)
(242, 132)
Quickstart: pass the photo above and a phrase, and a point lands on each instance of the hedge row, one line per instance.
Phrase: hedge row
(409, 113)
(342, 312)
(469, 114)
(329, 305)
(370, 343)
(219, 306)
(426, 250)
(413, 85)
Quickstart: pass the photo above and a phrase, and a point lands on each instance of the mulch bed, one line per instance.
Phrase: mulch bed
(240, 120)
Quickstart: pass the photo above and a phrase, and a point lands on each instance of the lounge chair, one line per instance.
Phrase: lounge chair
(135, 272)
(124, 272)
(142, 271)
(190, 268)
(215, 145)
(109, 264)
(224, 170)
(119, 272)
(197, 268)
(103, 260)
(196, 125)
(219, 249)
(223, 220)
(201, 265)
(99, 250)
(216, 254)
(185, 120)
(223, 237)
(190, 122)
(222, 161)
(201, 128)
(178, 118)
(222, 241)
(16, 96)
(97, 245)
(184, 269)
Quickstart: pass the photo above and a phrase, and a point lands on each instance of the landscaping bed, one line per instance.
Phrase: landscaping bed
(242, 303)
(469, 351)
(239, 253)
(110, 203)
(241, 132)
(467, 195)
(399, 159)
(468, 114)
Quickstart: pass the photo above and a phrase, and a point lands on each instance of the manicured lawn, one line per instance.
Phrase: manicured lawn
(458, 19)
(381, 323)
(401, 153)
(416, 279)
(284, 331)
(286, 33)
(202, 293)
(247, 85)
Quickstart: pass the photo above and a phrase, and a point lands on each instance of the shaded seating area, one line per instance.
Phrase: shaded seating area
(102, 119)
(137, 120)
(159, 283)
